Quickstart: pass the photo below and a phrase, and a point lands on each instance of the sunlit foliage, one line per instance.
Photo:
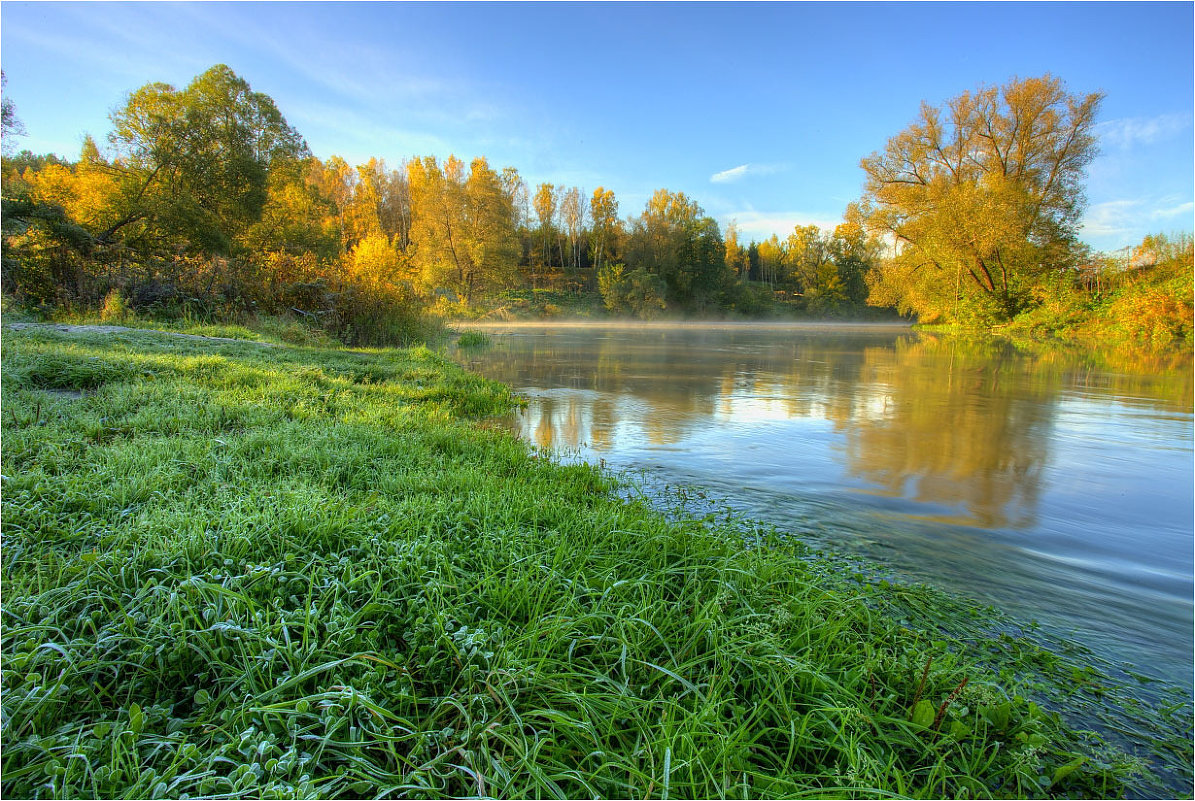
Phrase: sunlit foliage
(969, 216)
(465, 227)
(194, 164)
(981, 198)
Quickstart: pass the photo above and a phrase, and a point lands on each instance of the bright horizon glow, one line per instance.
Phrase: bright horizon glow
(758, 111)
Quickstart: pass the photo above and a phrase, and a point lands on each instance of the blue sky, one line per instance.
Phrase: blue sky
(759, 111)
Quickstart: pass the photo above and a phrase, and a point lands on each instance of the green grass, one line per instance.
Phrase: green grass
(262, 328)
(245, 571)
(473, 339)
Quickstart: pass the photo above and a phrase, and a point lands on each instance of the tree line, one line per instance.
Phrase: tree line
(205, 198)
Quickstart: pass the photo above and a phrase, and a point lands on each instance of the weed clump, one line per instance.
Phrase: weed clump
(473, 339)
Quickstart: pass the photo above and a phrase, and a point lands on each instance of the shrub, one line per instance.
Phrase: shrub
(636, 292)
(115, 310)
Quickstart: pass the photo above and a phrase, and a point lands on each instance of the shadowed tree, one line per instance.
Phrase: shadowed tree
(194, 165)
(675, 240)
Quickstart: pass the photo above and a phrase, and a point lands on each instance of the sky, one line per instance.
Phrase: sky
(760, 112)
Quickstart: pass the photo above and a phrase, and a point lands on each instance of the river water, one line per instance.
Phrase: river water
(1056, 487)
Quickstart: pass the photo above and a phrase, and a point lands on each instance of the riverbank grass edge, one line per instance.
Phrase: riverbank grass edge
(245, 569)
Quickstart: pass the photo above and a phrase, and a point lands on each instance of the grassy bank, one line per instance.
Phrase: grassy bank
(260, 570)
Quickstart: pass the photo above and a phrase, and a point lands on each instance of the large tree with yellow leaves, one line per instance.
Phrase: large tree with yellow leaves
(978, 199)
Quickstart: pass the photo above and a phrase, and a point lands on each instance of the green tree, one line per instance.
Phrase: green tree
(194, 164)
(808, 254)
(980, 198)
(854, 255)
(635, 292)
(675, 240)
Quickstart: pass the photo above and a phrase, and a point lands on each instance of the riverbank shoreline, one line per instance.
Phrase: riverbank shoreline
(310, 571)
(707, 325)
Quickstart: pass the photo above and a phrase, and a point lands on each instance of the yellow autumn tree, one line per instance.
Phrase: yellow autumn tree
(462, 234)
(606, 227)
(980, 199)
(736, 254)
(88, 192)
(546, 201)
(296, 216)
(376, 265)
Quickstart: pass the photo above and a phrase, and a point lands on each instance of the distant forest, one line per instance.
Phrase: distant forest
(204, 201)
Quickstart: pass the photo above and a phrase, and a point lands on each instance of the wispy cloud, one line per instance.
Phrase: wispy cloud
(1182, 209)
(1128, 132)
(1111, 218)
(736, 173)
(733, 174)
(346, 132)
(1129, 220)
(115, 56)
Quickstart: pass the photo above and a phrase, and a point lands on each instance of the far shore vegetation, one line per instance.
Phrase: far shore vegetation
(203, 203)
(290, 556)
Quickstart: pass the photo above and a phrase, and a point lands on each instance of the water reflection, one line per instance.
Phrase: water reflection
(962, 429)
(1055, 482)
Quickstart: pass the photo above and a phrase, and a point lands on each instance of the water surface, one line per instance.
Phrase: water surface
(1057, 487)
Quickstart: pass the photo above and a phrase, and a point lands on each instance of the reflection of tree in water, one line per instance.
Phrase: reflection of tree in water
(655, 383)
(569, 421)
(967, 423)
(964, 425)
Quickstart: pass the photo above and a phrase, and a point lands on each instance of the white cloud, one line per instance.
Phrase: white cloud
(758, 225)
(735, 173)
(1127, 221)
(136, 63)
(1182, 209)
(1127, 132)
(1112, 218)
(373, 81)
(332, 129)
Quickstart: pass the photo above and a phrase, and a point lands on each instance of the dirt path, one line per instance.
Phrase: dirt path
(120, 329)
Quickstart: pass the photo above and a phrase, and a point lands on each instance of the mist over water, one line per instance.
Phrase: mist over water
(1056, 487)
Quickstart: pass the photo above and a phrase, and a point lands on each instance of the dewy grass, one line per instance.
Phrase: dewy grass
(245, 571)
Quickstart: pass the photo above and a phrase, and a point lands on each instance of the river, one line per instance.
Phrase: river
(1056, 487)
